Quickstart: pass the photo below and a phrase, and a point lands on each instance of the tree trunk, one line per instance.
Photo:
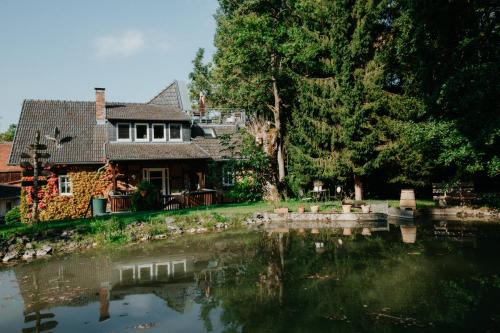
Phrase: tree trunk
(279, 138)
(358, 188)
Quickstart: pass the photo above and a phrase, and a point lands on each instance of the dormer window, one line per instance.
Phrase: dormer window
(123, 132)
(141, 133)
(159, 132)
(175, 132)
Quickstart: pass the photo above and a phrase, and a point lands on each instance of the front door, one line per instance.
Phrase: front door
(159, 178)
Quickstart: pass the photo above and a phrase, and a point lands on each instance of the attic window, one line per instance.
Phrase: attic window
(175, 132)
(159, 132)
(141, 132)
(123, 132)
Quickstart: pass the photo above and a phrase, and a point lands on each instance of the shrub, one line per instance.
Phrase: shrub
(145, 198)
(13, 216)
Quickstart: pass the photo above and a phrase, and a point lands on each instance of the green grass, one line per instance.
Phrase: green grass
(212, 214)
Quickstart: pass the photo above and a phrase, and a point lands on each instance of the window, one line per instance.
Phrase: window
(159, 132)
(64, 185)
(141, 133)
(175, 132)
(123, 132)
(227, 176)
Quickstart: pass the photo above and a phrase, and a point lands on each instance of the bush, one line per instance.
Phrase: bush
(148, 201)
(13, 216)
(246, 189)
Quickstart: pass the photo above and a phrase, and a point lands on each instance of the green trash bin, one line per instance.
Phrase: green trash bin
(98, 206)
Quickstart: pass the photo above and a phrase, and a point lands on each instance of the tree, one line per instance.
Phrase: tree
(200, 77)
(250, 63)
(8, 135)
(344, 110)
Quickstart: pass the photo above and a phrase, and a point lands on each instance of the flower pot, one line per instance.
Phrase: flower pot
(366, 232)
(315, 209)
(346, 208)
(281, 210)
(300, 210)
(365, 209)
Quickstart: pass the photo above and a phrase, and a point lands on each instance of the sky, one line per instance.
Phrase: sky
(60, 49)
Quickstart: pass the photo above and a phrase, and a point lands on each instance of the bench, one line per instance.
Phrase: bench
(461, 193)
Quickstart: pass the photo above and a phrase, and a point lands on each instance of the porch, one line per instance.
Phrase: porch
(179, 184)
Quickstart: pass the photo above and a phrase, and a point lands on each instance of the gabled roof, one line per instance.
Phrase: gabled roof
(175, 95)
(74, 119)
(139, 111)
(4, 158)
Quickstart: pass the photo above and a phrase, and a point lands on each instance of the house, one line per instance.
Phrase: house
(106, 148)
(9, 198)
(9, 174)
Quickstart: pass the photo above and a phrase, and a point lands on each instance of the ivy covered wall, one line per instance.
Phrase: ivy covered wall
(85, 181)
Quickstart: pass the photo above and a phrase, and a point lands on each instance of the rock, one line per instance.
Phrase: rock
(11, 255)
(28, 254)
(28, 246)
(43, 251)
(221, 225)
(201, 230)
(160, 236)
(191, 230)
(169, 220)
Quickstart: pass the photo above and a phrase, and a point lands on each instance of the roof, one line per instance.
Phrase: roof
(154, 151)
(138, 111)
(213, 146)
(4, 158)
(175, 95)
(8, 191)
(74, 119)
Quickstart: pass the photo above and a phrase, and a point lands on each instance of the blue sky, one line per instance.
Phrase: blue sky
(60, 49)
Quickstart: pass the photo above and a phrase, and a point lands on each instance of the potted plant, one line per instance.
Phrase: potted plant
(346, 204)
(278, 209)
(301, 209)
(315, 208)
(365, 209)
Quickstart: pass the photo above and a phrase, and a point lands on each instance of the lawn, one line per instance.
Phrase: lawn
(231, 211)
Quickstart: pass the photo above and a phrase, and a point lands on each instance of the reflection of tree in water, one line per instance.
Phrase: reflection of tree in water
(355, 285)
(37, 318)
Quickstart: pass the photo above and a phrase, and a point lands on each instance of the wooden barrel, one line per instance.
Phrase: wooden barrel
(407, 199)
(409, 234)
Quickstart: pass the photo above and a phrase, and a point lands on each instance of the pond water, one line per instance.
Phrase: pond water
(256, 281)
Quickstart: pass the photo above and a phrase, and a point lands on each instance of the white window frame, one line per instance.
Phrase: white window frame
(225, 179)
(129, 132)
(67, 181)
(164, 132)
(170, 132)
(147, 132)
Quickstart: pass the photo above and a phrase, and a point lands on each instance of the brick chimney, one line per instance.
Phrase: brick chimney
(100, 105)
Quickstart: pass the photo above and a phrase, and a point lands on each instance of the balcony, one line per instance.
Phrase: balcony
(219, 116)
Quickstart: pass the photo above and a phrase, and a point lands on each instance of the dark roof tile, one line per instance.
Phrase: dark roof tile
(137, 111)
(154, 151)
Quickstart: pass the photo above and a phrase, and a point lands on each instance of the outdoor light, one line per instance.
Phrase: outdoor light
(338, 189)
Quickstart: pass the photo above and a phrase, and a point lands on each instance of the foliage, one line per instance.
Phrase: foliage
(145, 197)
(250, 166)
(13, 216)
(390, 91)
(9, 134)
(86, 183)
(200, 78)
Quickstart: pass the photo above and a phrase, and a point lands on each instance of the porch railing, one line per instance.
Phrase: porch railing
(220, 116)
(122, 203)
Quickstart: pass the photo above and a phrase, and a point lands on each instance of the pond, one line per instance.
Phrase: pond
(262, 281)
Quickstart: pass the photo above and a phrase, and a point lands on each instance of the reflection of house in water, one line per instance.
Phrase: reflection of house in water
(80, 280)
